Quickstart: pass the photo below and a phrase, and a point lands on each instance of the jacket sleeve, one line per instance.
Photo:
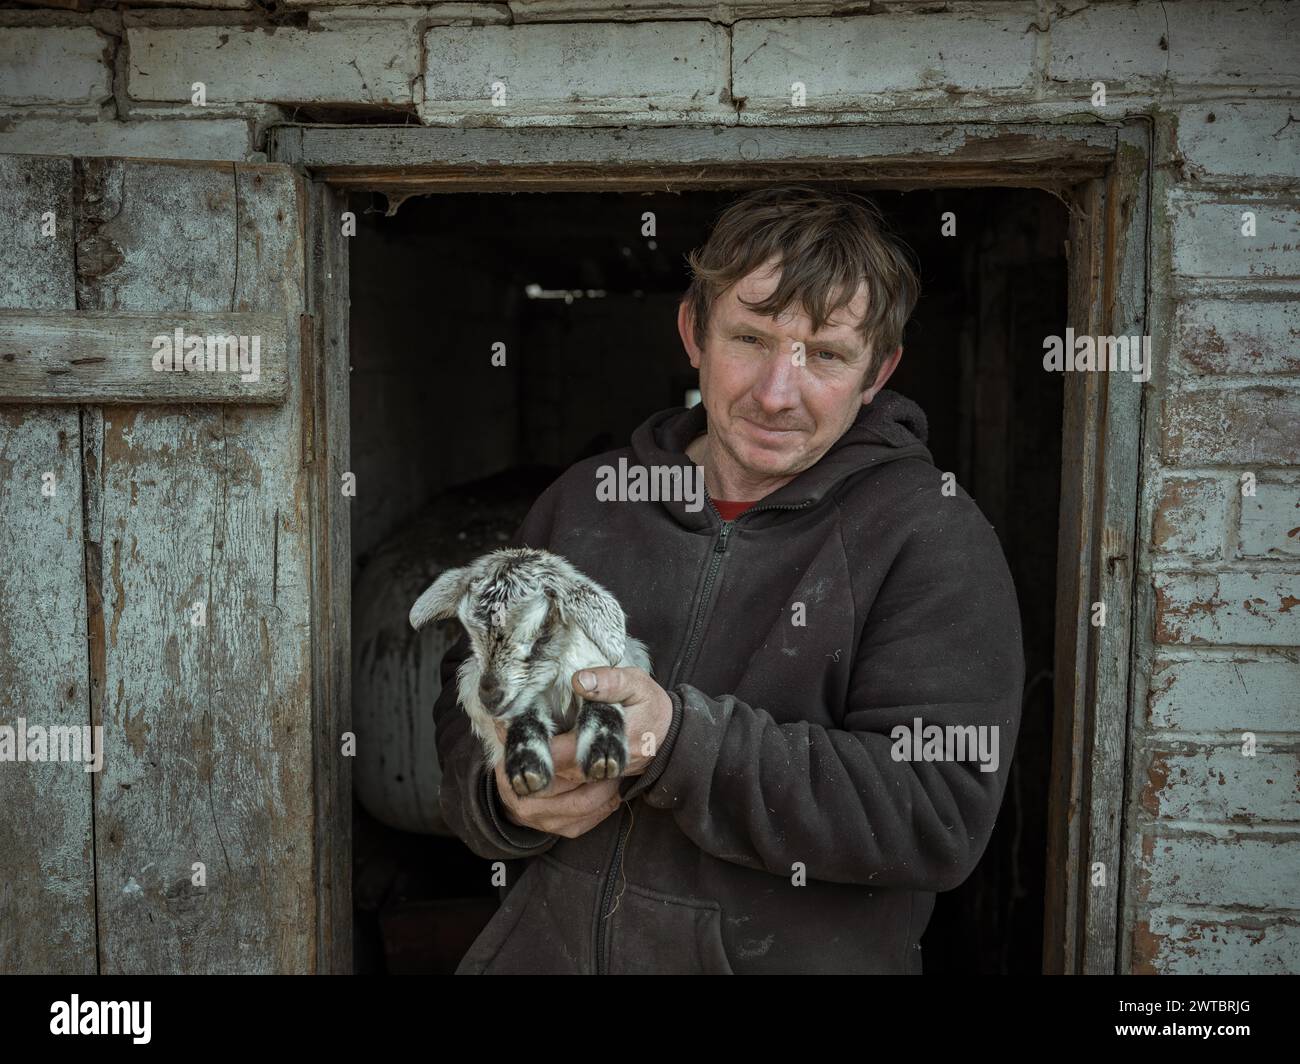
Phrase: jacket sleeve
(941, 642)
(468, 796)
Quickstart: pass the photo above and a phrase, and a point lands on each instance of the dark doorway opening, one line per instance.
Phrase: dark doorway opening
(450, 451)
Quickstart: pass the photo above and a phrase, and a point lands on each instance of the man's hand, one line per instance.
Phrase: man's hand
(564, 808)
(647, 712)
(573, 805)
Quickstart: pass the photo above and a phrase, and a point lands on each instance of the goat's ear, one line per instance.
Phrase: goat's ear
(597, 613)
(440, 599)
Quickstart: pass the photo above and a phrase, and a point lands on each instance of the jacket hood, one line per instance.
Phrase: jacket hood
(890, 428)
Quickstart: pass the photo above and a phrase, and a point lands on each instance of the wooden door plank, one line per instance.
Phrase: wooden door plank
(47, 896)
(204, 518)
(113, 357)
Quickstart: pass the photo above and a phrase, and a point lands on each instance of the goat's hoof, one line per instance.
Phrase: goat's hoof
(603, 768)
(606, 758)
(526, 769)
(528, 782)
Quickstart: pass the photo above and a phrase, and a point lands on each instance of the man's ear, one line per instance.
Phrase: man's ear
(686, 327)
(883, 373)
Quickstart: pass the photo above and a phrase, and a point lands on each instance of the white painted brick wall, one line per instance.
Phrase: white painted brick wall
(1227, 609)
(1241, 693)
(1118, 45)
(227, 5)
(1218, 783)
(651, 70)
(1174, 941)
(367, 61)
(1191, 517)
(1239, 336)
(1141, 46)
(1243, 142)
(1224, 641)
(863, 62)
(331, 15)
(1208, 240)
(1234, 44)
(447, 12)
(1188, 867)
(1248, 427)
(53, 65)
(1270, 523)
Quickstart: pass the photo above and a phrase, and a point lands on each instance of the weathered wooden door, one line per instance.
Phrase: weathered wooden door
(165, 549)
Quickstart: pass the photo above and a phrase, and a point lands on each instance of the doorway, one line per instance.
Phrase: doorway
(453, 451)
(1102, 175)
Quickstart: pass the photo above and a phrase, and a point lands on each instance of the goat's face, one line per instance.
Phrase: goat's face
(510, 633)
(510, 616)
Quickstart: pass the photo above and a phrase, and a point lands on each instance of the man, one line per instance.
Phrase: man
(837, 599)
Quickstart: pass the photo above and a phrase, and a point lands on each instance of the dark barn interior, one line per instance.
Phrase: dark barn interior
(449, 452)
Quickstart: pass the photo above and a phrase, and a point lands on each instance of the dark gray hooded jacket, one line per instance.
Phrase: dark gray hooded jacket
(775, 830)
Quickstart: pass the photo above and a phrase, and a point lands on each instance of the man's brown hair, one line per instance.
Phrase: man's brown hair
(828, 244)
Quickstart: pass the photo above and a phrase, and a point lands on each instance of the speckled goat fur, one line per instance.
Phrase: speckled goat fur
(533, 620)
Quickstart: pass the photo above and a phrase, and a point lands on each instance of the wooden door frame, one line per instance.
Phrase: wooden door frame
(1102, 172)
(327, 432)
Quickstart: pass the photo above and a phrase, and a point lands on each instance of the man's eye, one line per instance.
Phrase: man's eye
(833, 354)
(746, 337)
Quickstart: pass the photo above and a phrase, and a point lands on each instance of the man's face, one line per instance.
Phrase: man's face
(772, 413)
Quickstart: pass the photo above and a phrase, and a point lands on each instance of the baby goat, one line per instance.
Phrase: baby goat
(533, 620)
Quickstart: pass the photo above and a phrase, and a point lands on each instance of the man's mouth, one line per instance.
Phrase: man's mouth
(765, 432)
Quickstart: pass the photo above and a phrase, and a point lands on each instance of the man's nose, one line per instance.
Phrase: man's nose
(778, 388)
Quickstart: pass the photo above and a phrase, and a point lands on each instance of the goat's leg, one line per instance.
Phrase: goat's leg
(602, 740)
(528, 753)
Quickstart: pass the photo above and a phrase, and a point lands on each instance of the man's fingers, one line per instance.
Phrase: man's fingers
(517, 804)
(559, 785)
(571, 829)
(569, 814)
(572, 807)
(577, 801)
(613, 684)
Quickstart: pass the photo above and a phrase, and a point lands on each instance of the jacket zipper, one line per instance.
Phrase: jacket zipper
(719, 549)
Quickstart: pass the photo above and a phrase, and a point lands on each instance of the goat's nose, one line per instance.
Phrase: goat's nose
(489, 692)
